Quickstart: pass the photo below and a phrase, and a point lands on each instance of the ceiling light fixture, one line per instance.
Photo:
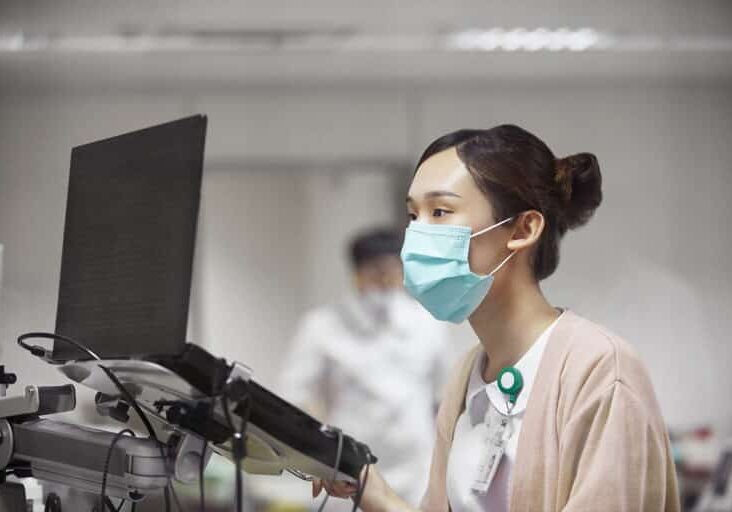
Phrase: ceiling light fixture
(522, 39)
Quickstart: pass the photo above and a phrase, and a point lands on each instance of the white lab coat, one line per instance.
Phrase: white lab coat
(378, 383)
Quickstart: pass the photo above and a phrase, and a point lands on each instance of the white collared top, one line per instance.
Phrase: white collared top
(379, 382)
(467, 443)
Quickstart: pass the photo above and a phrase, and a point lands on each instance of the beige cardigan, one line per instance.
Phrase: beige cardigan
(592, 438)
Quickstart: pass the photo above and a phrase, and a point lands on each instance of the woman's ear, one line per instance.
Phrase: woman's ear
(527, 229)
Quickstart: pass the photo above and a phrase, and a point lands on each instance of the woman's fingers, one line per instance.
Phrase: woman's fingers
(340, 489)
(317, 487)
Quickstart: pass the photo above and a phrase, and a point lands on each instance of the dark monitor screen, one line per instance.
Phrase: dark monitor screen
(129, 238)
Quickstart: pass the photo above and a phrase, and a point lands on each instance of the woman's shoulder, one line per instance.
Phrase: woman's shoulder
(593, 358)
(587, 343)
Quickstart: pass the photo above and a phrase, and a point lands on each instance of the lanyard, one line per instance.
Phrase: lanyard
(498, 429)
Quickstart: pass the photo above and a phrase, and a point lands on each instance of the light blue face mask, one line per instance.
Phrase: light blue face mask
(437, 273)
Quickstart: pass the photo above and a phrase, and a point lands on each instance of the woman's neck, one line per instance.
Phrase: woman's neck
(508, 323)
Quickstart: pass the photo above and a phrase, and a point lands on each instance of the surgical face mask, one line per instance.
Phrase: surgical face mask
(437, 272)
(377, 303)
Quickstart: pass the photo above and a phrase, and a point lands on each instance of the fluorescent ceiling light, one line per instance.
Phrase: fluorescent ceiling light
(521, 39)
(345, 40)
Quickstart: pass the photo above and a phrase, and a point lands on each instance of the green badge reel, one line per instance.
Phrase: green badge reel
(510, 382)
(498, 429)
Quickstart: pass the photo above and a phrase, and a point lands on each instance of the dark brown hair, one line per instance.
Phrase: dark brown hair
(518, 172)
(369, 245)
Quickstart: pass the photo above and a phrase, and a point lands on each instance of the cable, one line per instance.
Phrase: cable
(111, 506)
(238, 439)
(238, 443)
(201, 482)
(339, 453)
(202, 458)
(117, 437)
(166, 497)
(168, 490)
(39, 351)
(361, 488)
(34, 349)
(143, 417)
(299, 474)
(129, 398)
(151, 431)
(45, 353)
(236, 448)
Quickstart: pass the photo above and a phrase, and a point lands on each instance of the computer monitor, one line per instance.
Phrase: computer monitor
(129, 239)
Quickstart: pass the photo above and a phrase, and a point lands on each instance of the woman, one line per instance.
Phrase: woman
(488, 209)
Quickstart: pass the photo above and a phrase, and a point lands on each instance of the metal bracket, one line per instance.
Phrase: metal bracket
(39, 400)
(7, 443)
(239, 371)
(188, 452)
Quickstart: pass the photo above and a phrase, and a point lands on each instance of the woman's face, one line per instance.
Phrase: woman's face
(444, 192)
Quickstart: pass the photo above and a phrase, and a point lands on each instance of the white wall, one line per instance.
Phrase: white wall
(271, 245)
(652, 265)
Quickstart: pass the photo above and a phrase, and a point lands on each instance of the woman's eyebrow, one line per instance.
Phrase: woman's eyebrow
(436, 193)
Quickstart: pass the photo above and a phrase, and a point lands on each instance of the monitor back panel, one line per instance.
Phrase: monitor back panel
(129, 239)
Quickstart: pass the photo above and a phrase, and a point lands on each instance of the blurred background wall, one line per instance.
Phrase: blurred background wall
(652, 264)
(316, 117)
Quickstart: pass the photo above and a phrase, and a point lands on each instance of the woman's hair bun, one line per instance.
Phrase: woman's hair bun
(580, 183)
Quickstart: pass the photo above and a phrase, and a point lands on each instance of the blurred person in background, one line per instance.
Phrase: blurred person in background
(373, 364)
(550, 412)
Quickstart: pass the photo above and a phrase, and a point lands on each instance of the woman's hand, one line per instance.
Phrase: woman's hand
(377, 495)
(338, 489)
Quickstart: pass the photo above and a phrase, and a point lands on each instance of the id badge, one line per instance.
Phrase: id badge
(498, 430)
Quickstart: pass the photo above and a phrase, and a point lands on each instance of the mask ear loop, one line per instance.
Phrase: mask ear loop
(494, 226)
(488, 229)
(503, 263)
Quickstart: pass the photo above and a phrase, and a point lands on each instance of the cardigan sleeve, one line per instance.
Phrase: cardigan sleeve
(614, 456)
(435, 498)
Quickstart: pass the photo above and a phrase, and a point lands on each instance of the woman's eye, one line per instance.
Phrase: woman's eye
(439, 212)
(412, 216)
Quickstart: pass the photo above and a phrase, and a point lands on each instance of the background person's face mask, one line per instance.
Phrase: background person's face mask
(377, 303)
(437, 272)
